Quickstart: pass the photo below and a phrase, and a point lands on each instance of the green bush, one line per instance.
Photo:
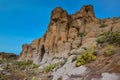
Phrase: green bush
(35, 66)
(87, 56)
(69, 54)
(22, 64)
(109, 50)
(65, 59)
(63, 62)
(109, 37)
(34, 78)
(1, 61)
(49, 67)
(82, 34)
(103, 25)
(100, 39)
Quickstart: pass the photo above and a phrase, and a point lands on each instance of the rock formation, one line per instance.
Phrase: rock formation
(74, 47)
(8, 56)
(66, 33)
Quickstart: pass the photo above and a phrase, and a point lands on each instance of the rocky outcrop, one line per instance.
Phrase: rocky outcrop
(66, 33)
(8, 56)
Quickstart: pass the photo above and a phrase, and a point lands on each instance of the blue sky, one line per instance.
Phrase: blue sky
(21, 21)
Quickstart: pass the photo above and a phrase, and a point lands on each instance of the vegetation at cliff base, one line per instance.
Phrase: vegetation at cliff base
(74, 59)
(49, 67)
(109, 37)
(23, 64)
(86, 56)
(103, 25)
(109, 50)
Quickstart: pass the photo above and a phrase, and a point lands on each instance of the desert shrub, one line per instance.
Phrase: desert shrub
(56, 58)
(34, 78)
(1, 61)
(109, 37)
(64, 41)
(82, 34)
(27, 62)
(60, 78)
(69, 54)
(23, 64)
(100, 39)
(65, 59)
(49, 67)
(103, 25)
(109, 50)
(63, 62)
(35, 66)
(74, 58)
(87, 56)
(45, 78)
(84, 48)
(114, 37)
(1, 75)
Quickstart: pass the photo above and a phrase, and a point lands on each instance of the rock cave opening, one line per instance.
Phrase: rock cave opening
(42, 52)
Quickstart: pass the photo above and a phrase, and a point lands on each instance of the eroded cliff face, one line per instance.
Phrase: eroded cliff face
(66, 33)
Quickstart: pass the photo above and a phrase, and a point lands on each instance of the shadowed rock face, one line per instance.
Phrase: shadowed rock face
(64, 33)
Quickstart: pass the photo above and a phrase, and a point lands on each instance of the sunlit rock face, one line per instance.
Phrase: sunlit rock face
(64, 34)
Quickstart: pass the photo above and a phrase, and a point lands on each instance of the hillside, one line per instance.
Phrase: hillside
(74, 47)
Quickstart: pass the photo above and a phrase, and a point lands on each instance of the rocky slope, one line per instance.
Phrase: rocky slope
(14, 70)
(65, 52)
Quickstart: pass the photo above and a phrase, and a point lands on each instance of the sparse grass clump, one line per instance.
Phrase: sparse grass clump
(103, 25)
(60, 78)
(109, 50)
(34, 66)
(34, 78)
(69, 54)
(1, 61)
(101, 39)
(86, 57)
(49, 67)
(82, 34)
(24, 64)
